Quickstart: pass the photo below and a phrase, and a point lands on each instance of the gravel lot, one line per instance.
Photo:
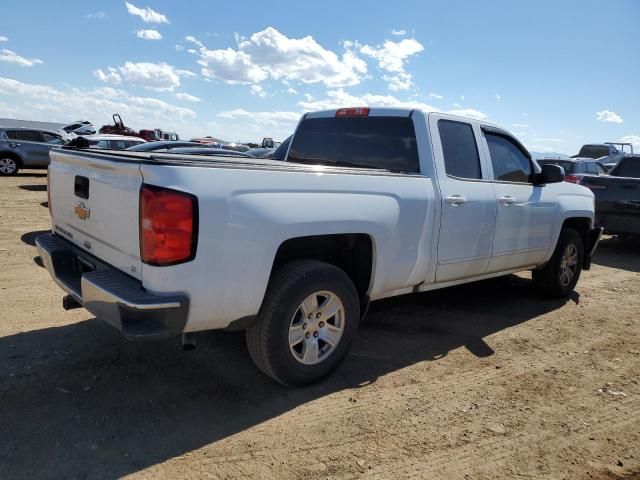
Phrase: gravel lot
(482, 381)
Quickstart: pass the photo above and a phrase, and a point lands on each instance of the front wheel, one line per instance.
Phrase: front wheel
(8, 166)
(306, 324)
(560, 276)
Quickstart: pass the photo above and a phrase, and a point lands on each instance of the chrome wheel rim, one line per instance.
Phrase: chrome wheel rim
(316, 327)
(7, 165)
(568, 264)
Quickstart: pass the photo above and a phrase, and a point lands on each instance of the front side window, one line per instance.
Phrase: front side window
(11, 134)
(592, 169)
(387, 143)
(601, 169)
(53, 139)
(510, 164)
(459, 148)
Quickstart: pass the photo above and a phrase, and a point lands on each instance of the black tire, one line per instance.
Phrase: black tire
(549, 279)
(268, 336)
(9, 165)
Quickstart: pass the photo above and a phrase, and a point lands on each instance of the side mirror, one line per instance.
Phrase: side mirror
(550, 174)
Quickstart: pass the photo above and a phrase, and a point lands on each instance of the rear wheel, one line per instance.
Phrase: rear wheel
(306, 324)
(8, 166)
(560, 276)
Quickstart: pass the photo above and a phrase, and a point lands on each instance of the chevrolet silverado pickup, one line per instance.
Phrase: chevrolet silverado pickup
(367, 204)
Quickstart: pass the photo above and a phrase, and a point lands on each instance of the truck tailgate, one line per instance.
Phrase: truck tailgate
(94, 204)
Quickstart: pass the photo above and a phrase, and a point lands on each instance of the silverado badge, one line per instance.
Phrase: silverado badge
(81, 211)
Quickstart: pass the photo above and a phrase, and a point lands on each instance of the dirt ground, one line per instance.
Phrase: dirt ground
(487, 381)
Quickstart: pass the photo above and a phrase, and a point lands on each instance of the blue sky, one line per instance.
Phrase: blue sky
(557, 73)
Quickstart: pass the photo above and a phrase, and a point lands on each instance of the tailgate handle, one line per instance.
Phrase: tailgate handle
(81, 187)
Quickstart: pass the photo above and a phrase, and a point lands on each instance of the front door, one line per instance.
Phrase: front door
(468, 202)
(526, 212)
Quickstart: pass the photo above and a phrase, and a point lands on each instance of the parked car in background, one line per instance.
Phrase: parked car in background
(208, 141)
(617, 197)
(271, 153)
(26, 148)
(238, 147)
(81, 127)
(106, 142)
(368, 204)
(576, 168)
(162, 146)
(606, 153)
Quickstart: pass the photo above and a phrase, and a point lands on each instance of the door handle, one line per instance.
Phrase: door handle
(507, 200)
(455, 200)
(13, 145)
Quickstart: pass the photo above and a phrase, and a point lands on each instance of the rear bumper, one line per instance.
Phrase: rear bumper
(619, 223)
(110, 294)
(594, 239)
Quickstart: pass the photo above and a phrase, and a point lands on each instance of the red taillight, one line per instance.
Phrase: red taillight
(49, 191)
(168, 226)
(353, 112)
(572, 178)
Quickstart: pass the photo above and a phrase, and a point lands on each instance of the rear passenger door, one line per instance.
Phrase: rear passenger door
(526, 212)
(33, 150)
(468, 201)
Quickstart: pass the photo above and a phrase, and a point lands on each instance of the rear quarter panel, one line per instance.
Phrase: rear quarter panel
(245, 215)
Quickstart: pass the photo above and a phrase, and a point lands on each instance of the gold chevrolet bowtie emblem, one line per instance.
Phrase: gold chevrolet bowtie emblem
(81, 211)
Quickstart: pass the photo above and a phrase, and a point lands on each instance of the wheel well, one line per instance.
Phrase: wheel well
(13, 155)
(351, 252)
(582, 226)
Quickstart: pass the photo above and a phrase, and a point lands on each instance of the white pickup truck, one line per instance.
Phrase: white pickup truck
(368, 204)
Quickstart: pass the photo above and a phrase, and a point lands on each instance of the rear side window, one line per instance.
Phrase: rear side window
(510, 164)
(387, 143)
(29, 136)
(591, 168)
(460, 151)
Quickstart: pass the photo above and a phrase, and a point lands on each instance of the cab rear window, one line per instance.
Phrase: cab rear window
(387, 143)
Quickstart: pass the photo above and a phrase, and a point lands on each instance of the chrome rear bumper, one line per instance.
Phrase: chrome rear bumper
(110, 294)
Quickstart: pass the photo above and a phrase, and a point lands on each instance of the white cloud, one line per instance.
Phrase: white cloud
(98, 15)
(520, 125)
(10, 56)
(398, 32)
(402, 81)
(187, 97)
(468, 112)
(178, 48)
(112, 76)
(270, 54)
(391, 57)
(498, 97)
(265, 118)
(632, 139)
(258, 90)
(149, 34)
(436, 96)
(608, 117)
(292, 91)
(48, 103)
(154, 76)
(146, 14)
(3, 38)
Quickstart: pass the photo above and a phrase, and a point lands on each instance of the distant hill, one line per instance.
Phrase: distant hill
(538, 155)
